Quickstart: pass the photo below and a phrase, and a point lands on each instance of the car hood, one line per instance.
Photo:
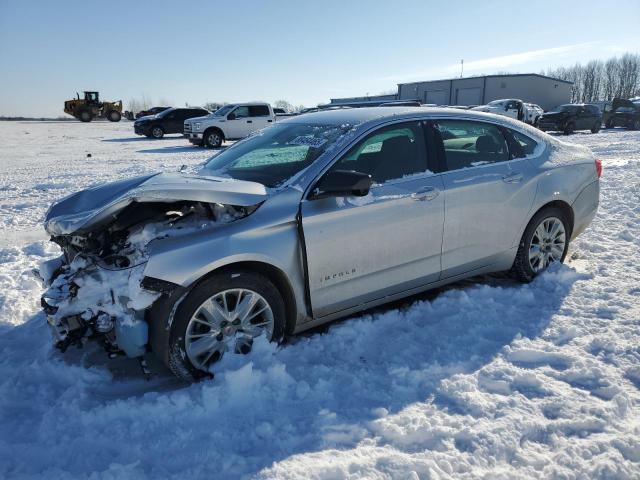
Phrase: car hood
(197, 119)
(84, 210)
(145, 118)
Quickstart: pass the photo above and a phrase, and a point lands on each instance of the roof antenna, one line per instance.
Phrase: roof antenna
(461, 67)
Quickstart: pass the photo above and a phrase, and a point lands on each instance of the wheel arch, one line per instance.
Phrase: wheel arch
(276, 275)
(214, 128)
(563, 206)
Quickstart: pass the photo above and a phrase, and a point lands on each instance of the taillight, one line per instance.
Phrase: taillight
(599, 167)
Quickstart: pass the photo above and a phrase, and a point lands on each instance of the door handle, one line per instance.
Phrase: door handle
(249, 121)
(512, 178)
(269, 121)
(425, 193)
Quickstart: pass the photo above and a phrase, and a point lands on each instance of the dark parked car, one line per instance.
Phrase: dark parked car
(571, 117)
(168, 121)
(151, 111)
(625, 113)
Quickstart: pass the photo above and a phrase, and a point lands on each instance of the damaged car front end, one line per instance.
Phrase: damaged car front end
(96, 290)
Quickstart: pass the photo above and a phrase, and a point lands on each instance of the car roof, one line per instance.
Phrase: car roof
(356, 116)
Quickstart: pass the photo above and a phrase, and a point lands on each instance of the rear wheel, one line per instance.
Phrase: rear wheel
(222, 316)
(157, 131)
(636, 125)
(595, 128)
(213, 139)
(569, 129)
(545, 241)
(114, 116)
(85, 116)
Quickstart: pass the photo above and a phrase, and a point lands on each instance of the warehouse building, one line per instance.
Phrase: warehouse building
(372, 101)
(545, 91)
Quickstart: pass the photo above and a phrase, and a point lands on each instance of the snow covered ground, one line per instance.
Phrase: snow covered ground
(488, 379)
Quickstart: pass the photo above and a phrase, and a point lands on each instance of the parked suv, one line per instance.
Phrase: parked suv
(318, 217)
(571, 117)
(167, 121)
(625, 113)
(231, 122)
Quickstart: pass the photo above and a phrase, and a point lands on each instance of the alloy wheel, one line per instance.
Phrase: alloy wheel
(227, 322)
(547, 244)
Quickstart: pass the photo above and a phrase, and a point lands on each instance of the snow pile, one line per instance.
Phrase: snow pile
(486, 379)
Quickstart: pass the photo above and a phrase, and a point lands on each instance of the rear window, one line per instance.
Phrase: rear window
(527, 144)
(471, 144)
(259, 111)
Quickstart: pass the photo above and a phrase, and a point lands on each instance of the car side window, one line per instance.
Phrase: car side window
(527, 144)
(389, 153)
(241, 112)
(471, 144)
(259, 111)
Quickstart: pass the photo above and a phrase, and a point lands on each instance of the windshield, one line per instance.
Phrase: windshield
(165, 112)
(496, 103)
(275, 154)
(222, 111)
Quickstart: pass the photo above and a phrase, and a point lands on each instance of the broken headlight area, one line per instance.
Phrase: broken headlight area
(95, 289)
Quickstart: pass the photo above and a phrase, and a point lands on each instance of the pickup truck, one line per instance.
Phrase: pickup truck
(231, 122)
(508, 107)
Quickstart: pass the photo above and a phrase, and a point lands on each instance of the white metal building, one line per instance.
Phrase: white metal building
(548, 92)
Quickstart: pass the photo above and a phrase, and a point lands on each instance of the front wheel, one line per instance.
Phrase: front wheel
(157, 132)
(636, 125)
(222, 316)
(595, 128)
(545, 241)
(114, 116)
(213, 139)
(569, 129)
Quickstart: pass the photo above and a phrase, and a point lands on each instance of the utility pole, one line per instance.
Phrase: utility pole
(461, 67)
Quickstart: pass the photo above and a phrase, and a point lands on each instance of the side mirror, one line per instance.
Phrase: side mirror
(231, 116)
(342, 183)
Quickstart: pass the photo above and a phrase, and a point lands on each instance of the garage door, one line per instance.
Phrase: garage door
(469, 96)
(437, 97)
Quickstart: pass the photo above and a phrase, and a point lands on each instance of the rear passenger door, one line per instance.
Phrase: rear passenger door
(360, 249)
(485, 201)
(175, 121)
(259, 117)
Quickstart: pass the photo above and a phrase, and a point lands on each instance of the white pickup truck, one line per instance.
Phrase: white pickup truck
(509, 107)
(231, 122)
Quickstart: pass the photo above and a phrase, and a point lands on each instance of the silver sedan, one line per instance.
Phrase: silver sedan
(315, 218)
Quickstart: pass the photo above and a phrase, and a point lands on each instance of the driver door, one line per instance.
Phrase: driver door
(238, 123)
(360, 249)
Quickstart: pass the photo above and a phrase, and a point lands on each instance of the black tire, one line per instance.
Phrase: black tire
(157, 132)
(636, 125)
(212, 138)
(114, 116)
(521, 269)
(85, 116)
(569, 129)
(176, 357)
(595, 128)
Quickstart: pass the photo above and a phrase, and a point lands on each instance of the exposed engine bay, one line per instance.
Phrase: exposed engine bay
(94, 289)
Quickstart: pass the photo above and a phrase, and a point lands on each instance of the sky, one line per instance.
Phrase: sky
(193, 52)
